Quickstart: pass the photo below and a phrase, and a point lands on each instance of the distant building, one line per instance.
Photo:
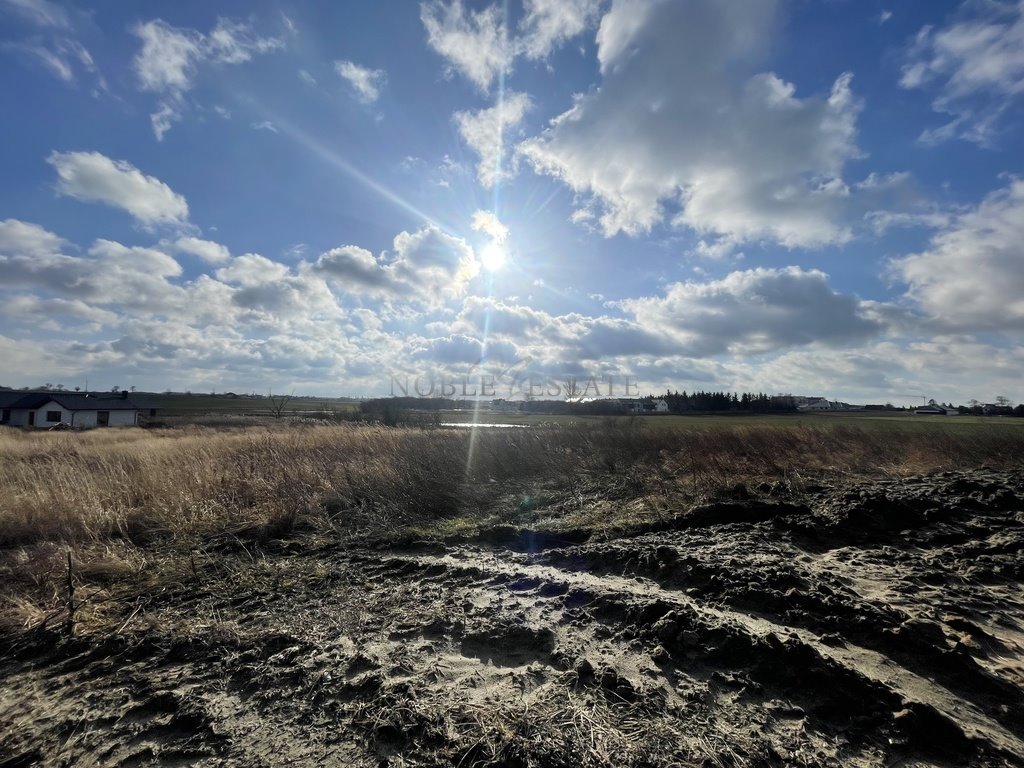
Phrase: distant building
(937, 410)
(814, 404)
(643, 405)
(43, 410)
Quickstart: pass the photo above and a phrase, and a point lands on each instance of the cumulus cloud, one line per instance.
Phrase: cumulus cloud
(21, 238)
(124, 278)
(976, 64)
(170, 56)
(490, 225)
(474, 43)
(486, 131)
(755, 311)
(353, 269)
(461, 350)
(428, 266)
(35, 309)
(251, 269)
(207, 250)
(93, 177)
(677, 131)
(971, 277)
(364, 81)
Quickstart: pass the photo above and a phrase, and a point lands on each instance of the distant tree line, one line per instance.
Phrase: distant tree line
(390, 409)
(683, 402)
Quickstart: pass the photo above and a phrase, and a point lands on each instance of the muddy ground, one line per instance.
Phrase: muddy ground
(867, 623)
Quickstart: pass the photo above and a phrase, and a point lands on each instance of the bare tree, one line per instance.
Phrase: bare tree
(571, 389)
(278, 403)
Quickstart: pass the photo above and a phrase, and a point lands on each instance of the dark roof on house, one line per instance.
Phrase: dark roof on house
(75, 401)
(7, 399)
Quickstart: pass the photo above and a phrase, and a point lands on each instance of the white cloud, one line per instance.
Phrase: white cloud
(884, 16)
(307, 78)
(169, 58)
(486, 132)
(31, 307)
(754, 311)
(971, 277)
(746, 313)
(42, 13)
(207, 250)
(251, 269)
(62, 58)
(475, 43)
(549, 23)
(976, 63)
(92, 177)
(677, 131)
(478, 44)
(366, 82)
(235, 43)
(429, 265)
(490, 225)
(264, 125)
(21, 238)
(354, 269)
(53, 46)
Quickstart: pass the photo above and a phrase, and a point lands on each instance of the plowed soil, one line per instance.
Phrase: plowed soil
(874, 623)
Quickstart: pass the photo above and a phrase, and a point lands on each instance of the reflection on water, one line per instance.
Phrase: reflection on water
(470, 424)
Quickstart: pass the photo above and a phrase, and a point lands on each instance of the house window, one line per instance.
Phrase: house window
(53, 417)
(102, 418)
(6, 416)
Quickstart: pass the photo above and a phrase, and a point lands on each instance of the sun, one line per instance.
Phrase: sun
(493, 256)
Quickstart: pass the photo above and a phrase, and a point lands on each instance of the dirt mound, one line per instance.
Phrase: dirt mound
(874, 624)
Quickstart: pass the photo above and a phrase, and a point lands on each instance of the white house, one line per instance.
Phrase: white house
(43, 410)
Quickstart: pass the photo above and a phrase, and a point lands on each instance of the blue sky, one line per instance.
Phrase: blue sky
(807, 197)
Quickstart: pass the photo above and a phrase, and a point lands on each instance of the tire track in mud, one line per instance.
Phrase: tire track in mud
(869, 690)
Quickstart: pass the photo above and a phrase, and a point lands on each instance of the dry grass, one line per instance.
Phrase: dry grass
(121, 498)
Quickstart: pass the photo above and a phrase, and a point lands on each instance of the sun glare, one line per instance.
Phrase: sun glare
(493, 256)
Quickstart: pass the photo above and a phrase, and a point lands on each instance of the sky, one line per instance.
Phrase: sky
(815, 198)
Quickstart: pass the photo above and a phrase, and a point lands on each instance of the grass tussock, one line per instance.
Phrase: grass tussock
(120, 498)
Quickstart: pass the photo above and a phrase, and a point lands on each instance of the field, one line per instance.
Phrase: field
(177, 407)
(706, 591)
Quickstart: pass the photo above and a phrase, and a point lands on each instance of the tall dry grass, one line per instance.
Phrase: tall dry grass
(117, 496)
(179, 484)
